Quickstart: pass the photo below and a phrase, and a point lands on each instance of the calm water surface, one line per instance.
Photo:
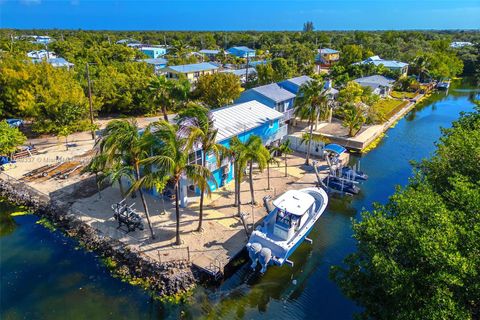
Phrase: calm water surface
(45, 276)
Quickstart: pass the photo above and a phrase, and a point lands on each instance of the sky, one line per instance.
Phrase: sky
(240, 14)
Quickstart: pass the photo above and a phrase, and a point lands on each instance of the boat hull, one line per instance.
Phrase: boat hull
(262, 243)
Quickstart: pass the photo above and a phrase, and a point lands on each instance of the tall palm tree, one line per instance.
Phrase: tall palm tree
(197, 122)
(122, 140)
(250, 152)
(421, 64)
(284, 149)
(271, 160)
(170, 156)
(310, 103)
(167, 93)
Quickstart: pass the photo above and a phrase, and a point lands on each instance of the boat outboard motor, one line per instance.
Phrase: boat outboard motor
(253, 250)
(267, 203)
(264, 258)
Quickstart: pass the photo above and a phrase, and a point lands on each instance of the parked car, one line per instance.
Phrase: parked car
(16, 123)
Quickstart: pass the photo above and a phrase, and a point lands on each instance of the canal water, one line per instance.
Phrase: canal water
(44, 275)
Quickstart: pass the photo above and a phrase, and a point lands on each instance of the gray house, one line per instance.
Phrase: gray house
(380, 85)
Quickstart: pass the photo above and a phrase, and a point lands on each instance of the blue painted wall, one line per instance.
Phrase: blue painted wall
(154, 52)
(241, 53)
(264, 131)
(289, 86)
(250, 95)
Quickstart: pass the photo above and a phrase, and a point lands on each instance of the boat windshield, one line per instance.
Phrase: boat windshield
(286, 219)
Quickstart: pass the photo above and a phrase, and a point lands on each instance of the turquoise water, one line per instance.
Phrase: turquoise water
(44, 276)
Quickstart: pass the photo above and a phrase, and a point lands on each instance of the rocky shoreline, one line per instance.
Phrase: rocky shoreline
(165, 280)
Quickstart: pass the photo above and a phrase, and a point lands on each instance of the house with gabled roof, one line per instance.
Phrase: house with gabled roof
(326, 57)
(393, 65)
(273, 96)
(380, 85)
(191, 71)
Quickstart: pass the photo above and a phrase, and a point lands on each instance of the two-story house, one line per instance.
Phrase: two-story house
(191, 71)
(326, 57)
(240, 120)
(273, 96)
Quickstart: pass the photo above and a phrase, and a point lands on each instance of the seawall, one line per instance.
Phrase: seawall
(164, 280)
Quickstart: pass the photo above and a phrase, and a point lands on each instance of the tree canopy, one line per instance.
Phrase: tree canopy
(418, 256)
(10, 138)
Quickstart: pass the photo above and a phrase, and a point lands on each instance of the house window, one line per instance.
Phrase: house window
(195, 157)
(281, 107)
(270, 123)
(196, 74)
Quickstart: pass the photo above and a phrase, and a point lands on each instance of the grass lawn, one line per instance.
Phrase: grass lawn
(389, 107)
(403, 94)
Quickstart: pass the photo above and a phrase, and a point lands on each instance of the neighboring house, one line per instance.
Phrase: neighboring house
(210, 54)
(154, 52)
(397, 66)
(293, 84)
(191, 71)
(326, 57)
(158, 64)
(242, 52)
(41, 54)
(460, 44)
(242, 73)
(55, 62)
(380, 85)
(331, 92)
(42, 39)
(273, 96)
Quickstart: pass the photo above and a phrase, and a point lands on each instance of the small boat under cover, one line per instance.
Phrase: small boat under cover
(286, 226)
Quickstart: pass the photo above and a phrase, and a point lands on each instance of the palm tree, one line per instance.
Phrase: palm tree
(170, 156)
(122, 140)
(271, 160)
(250, 152)
(421, 64)
(168, 93)
(284, 149)
(353, 119)
(197, 122)
(309, 105)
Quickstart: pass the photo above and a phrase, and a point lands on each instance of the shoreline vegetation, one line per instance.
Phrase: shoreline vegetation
(424, 241)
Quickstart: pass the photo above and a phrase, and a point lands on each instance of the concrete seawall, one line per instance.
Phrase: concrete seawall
(163, 279)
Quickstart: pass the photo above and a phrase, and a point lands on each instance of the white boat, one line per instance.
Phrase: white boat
(286, 226)
(443, 85)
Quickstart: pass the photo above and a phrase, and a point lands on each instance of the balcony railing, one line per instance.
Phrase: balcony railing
(287, 115)
(281, 132)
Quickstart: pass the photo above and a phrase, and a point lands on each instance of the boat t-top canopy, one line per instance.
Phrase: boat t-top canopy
(336, 148)
(294, 202)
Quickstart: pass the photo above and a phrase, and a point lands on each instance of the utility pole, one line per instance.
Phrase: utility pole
(246, 69)
(90, 102)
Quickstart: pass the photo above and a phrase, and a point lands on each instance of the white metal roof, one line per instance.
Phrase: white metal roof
(236, 119)
(294, 202)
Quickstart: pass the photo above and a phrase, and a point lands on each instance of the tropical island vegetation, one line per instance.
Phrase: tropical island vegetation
(120, 84)
(418, 256)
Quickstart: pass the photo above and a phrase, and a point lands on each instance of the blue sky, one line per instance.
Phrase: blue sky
(240, 14)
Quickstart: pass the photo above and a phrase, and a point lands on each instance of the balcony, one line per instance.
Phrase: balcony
(278, 135)
(289, 114)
